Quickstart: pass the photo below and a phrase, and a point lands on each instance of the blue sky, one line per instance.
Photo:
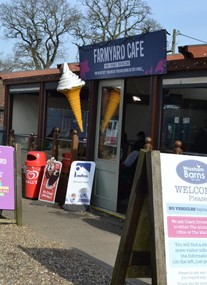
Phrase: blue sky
(187, 17)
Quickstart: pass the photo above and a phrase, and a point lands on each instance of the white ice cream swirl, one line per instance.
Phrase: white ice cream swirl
(69, 79)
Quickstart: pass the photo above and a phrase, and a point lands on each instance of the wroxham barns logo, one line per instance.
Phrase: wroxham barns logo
(192, 171)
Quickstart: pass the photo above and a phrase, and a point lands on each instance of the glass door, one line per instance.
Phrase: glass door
(108, 139)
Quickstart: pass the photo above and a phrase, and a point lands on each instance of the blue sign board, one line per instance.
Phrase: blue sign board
(126, 57)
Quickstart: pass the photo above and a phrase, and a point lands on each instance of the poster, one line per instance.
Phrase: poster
(50, 180)
(80, 183)
(184, 190)
(7, 191)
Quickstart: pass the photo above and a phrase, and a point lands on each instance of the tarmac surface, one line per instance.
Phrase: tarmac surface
(94, 234)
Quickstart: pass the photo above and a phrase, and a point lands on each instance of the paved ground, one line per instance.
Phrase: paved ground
(94, 234)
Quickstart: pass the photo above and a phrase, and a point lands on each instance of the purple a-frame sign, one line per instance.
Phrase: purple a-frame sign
(7, 193)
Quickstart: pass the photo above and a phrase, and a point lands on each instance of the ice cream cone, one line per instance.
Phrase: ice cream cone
(112, 104)
(73, 96)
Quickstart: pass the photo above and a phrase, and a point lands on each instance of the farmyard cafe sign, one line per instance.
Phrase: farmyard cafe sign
(132, 56)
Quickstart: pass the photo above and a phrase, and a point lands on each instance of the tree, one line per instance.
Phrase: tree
(7, 64)
(39, 27)
(111, 19)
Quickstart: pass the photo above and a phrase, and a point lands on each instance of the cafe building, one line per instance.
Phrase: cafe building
(131, 86)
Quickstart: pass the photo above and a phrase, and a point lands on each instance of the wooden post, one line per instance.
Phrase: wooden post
(18, 176)
(148, 144)
(11, 137)
(178, 147)
(31, 141)
(75, 142)
(55, 143)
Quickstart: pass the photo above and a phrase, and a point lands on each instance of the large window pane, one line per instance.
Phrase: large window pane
(109, 123)
(185, 119)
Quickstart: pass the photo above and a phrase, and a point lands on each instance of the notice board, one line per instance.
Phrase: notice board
(185, 218)
(171, 191)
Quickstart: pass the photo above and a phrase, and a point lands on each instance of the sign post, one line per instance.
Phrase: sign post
(18, 211)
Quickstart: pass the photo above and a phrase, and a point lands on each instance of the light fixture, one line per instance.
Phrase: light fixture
(136, 98)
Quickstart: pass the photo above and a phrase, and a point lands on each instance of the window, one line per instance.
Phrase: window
(185, 118)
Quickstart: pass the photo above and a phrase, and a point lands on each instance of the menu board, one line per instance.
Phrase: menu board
(184, 190)
(7, 193)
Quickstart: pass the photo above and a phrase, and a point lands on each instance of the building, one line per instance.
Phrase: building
(167, 106)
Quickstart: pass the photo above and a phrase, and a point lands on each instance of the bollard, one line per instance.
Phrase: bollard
(178, 147)
(148, 143)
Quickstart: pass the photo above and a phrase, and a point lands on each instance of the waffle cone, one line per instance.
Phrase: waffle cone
(73, 96)
(112, 104)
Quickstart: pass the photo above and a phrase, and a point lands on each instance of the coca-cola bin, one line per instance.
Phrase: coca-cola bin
(35, 163)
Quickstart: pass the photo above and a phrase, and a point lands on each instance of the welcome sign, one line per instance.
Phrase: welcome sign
(184, 190)
(132, 56)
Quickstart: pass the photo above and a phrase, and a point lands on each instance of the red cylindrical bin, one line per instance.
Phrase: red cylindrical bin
(35, 163)
(66, 162)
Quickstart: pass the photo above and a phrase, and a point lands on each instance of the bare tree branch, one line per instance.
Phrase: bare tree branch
(111, 19)
(39, 27)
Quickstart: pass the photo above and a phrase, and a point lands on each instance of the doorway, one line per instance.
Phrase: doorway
(130, 116)
(107, 147)
(135, 126)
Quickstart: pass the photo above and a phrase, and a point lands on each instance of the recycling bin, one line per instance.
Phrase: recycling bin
(35, 164)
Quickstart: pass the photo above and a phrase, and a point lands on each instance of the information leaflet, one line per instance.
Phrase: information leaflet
(184, 190)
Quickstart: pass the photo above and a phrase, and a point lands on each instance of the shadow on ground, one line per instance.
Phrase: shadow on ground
(72, 265)
(94, 218)
(75, 266)
(105, 225)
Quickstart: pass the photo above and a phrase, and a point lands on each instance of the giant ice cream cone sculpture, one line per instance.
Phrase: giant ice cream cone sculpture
(112, 104)
(70, 85)
(73, 96)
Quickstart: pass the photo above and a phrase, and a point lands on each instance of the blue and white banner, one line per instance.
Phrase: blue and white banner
(138, 55)
(80, 183)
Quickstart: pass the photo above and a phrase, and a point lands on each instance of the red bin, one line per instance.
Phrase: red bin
(66, 162)
(35, 163)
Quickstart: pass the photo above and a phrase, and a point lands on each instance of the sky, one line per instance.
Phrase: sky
(188, 18)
